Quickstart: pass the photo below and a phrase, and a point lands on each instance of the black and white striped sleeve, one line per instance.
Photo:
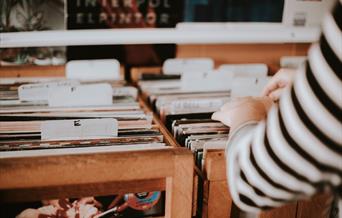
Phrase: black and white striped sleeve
(297, 151)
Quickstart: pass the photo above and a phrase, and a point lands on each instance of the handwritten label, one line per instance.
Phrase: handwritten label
(93, 70)
(206, 81)
(79, 129)
(39, 91)
(82, 95)
(177, 66)
(245, 70)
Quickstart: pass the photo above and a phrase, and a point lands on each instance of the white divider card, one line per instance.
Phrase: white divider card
(245, 70)
(177, 66)
(79, 129)
(194, 104)
(206, 81)
(248, 86)
(93, 70)
(83, 95)
(39, 91)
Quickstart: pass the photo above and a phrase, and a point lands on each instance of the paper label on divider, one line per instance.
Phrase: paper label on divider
(93, 70)
(39, 91)
(177, 66)
(79, 129)
(82, 95)
(206, 81)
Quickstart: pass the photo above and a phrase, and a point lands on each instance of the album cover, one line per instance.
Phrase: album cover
(131, 205)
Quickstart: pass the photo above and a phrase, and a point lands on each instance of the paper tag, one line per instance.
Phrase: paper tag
(206, 81)
(248, 86)
(79, 129)
(179, 65)
(39, 91)
(245, 70)
(125, 91)
(93, 70)
(82, 95)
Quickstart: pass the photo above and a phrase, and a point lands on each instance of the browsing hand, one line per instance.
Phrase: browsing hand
(242, 110)
(279, 81)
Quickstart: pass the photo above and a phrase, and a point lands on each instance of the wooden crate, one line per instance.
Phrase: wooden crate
(218, 202)
(53, 177)
(71, 176)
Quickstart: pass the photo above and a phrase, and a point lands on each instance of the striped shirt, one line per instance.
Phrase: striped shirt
(297, 151)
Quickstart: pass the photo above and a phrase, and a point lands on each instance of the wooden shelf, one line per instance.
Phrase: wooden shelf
(218, 202)
(266, 34)
(27, 179)
(37, 71)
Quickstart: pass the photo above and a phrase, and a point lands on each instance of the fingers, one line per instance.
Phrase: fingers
(223, 117)
(275, 95)
(280, 80)
(272, 85)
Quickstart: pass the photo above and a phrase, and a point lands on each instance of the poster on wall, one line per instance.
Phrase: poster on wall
(100, 14)
(233, 11)
(31, 15)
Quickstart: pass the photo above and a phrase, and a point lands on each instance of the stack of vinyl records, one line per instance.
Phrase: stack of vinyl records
(188, 91)
(59, 116)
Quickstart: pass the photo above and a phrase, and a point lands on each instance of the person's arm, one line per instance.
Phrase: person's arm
(297, 150)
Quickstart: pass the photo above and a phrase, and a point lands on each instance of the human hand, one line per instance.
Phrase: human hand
(242, 110)
(278, 83)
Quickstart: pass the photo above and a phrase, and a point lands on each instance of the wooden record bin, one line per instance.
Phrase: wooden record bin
(53, 177)
(217, 202)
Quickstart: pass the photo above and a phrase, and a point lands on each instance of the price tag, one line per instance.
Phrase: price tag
(245, 70)
(93, 70)
(39, 91)
(82, 95)
(177, 66)
(206, 81)
(79, 129)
